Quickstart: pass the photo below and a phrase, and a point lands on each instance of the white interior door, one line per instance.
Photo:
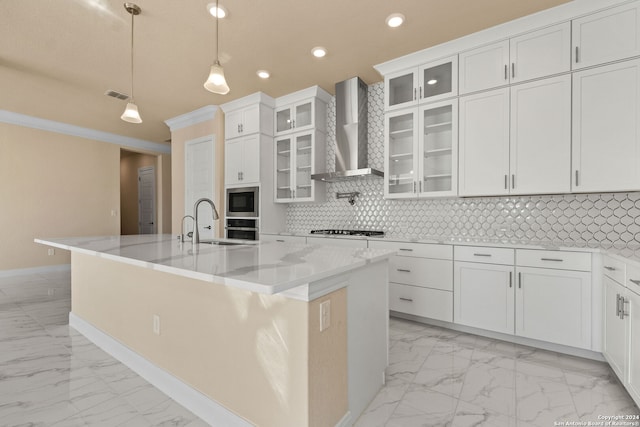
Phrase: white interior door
(200, 182)
(147, 200)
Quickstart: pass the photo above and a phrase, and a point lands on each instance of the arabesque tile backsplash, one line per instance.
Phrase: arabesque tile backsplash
(606, 220)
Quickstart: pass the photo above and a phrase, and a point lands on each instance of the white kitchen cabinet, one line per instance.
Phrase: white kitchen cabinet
(282, 238)
(536, 54)
(484, 144)
(297, 157)
(430, 82)
(336, 241)
(517, 140)
(606, 128)
(242, 160)
(606, 36)
(615, 329)
(422, 161)
(631, 308)
(420, 279)
(301, 111)
(484, 296)
(554, 305)
(243, 121)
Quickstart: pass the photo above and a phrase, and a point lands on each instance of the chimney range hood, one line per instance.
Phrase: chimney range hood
(351, 134)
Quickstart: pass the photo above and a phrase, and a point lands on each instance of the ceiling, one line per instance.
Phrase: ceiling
(58, 57)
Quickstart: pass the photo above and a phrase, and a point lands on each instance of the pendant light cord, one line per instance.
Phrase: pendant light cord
(132, 20)
(217, 31)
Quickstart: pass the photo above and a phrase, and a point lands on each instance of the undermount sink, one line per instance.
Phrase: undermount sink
(221, 243)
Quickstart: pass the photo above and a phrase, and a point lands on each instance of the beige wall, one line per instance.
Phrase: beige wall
(130, 162)
(179, 138)
(53, 185)
(261, 356)
(56, 185)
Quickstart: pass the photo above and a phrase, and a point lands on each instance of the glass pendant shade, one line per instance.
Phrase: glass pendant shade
(131, 113)
(216, 82)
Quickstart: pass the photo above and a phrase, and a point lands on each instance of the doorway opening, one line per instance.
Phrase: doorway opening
(138, 195)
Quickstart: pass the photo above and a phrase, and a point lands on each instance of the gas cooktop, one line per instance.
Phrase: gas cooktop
(333, 231)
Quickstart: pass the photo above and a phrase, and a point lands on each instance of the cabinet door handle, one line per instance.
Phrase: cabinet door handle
(635, 282)
(414, 186)
(506, 75)
(623, 313)
(238, 176)
(238, 127)
(293, 123)
(420, 92)
(506, 182)
(406, 299)
(513, 69)
(513, 180)
(577, 180)
(279, 240)
(577, 55)
(609, 268)
(552, 259)
(406, 249)
(487, 255)
(415, 93)
(511, 279)
(419, 186)
(617, 305)
(403, 270)
(519, 280)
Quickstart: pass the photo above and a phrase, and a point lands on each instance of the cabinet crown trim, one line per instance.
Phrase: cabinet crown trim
(311, 92)
(254, 98)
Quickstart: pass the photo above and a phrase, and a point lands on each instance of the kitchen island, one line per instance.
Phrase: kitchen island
(254, 334)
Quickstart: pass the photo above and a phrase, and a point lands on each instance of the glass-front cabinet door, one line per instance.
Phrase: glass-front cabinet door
(295, 117)
(438, 148)
(400, 165)
(401, 89)
(439, 80)
(283, 161)
(304, 166)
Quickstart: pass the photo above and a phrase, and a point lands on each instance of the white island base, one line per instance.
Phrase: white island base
(235, 357)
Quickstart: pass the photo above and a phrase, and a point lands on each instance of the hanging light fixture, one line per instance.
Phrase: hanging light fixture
(216, 82)
(131, 113)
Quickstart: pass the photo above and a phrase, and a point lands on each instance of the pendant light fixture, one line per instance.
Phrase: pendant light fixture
(131, 113)
(216, 82)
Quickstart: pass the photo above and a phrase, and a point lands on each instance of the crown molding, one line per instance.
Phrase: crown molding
(82, 132)
(200, 115)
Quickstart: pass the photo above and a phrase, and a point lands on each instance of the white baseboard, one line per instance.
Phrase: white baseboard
(346, 421)
(208, 410)
(35, 270)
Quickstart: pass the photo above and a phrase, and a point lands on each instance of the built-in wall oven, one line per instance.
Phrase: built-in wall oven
(242, 213)
(244, 229)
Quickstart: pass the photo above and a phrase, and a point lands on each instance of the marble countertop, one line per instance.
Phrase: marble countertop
(267, 268)
(625, 253)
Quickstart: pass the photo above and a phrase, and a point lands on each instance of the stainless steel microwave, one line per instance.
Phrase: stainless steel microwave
(243, 202)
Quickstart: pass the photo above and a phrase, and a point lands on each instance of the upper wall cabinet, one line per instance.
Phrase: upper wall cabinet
(606, 128)
(606, 36)
(533, 55)
(430, 82)
(302, 111)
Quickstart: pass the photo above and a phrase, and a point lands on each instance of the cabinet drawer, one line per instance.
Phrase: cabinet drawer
(427, 250)
(431, 303)
(329, 241)
(633, 278)
(426, 273)
(580, 261)
(614, 269)
(282, 238)
(484, 255)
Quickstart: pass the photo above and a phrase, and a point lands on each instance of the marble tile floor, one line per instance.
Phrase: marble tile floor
(52, 376)
(439, 377)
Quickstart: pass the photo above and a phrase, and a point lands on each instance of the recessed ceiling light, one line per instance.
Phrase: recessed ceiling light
(432, 82)
(318, 51)
(263, 74)
(395, 20)
(211, 7)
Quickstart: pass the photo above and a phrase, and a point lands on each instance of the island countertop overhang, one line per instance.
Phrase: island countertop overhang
(267, 268)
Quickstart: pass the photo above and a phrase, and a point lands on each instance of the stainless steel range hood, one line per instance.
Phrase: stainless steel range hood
(351, 134)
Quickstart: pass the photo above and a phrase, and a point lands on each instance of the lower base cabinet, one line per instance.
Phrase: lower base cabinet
(554, 306)
(418, 301)
(615, 328)
(632, 310)
(483, 296)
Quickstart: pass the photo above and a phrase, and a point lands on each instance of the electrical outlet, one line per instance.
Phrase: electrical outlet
(156, 324)
(114, 212)
(51, 251)
(325, 315)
